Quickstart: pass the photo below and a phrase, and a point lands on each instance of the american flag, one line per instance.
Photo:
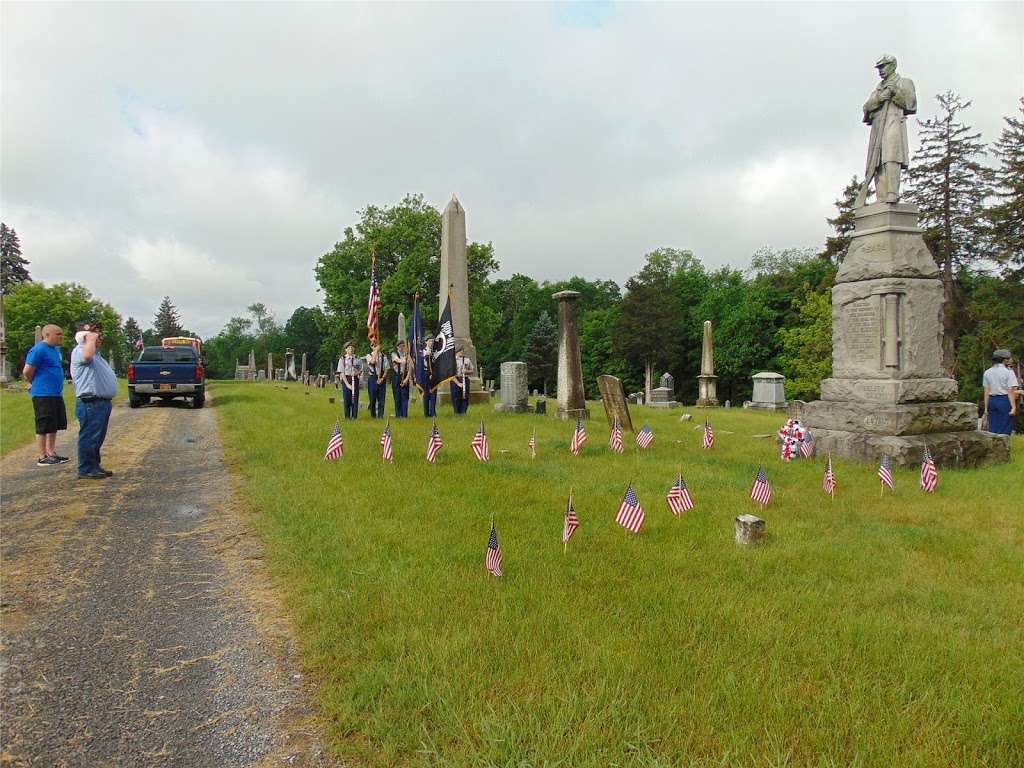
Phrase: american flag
(761, 492)
(434, 444)
(645, 437)
(493, 557)
(479, 444)
(571, 522)
(631, 514)
(336, 445)
(709, 436)
(828, 482)
(678, 498)
(929, 474)
(373, 303)
(533, 444)
(807, 446)
(885, 473)
(615, 438)
(579, 437)
(387, 450)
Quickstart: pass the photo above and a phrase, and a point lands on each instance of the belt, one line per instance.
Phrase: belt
(90, 398)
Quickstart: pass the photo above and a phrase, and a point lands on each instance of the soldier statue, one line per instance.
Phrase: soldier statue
(886, 112)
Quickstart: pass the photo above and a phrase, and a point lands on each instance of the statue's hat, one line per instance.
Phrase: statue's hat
(885, 58)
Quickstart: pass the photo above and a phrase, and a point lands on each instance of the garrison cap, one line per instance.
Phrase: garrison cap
(1001, 354)
(348, 343)
(885, 58)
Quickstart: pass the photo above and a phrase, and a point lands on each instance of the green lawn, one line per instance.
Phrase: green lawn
(865, 632)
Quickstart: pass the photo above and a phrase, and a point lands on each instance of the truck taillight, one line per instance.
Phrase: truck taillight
(131, 373)
(199, 373)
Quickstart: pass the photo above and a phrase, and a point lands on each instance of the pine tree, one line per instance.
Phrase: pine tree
(13, 268)
(132, 332)
(541, 352)
(837, 246)
(167, 322)
(1007, 216)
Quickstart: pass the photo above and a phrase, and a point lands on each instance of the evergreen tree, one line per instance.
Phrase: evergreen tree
(837, 246)
(541, 352)
(1007, 216)
(132, 332)
(167, 322)
(13, 268)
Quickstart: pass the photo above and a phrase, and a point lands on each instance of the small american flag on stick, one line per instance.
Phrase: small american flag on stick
(709, 435)
(807, 446)
(761, 492)
(336, 445)
(645, 437)
(828, 482)
(480, 448)
(885, 474)
(492, 559)
(373, 303)
(678, 498)
(571, 522)
(386, 447)
(434, 444)
(533, 444)
(929, 474)
(579, 437)
(615, 438)
(631, 514)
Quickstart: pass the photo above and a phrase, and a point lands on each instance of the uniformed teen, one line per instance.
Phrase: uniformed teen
(401, 376)
(1001, 387)
(460, 384)
(376, 381)
(429, 395)
(350, 369)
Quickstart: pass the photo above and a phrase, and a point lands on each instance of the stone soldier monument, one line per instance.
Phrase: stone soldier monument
(455, 279)
(886, 112)
(888, 394)
(572, 401)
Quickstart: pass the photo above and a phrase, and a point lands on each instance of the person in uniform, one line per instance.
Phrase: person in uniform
(350, 368)
(376, 380)
(460, 384)
(401, 376)
(886, 112)
(429, 394)
(1001, 387)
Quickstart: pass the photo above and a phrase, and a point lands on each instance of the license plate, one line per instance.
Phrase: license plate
(164, 387)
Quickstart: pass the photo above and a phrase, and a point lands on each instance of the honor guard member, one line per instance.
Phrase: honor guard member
(350, 368)
(377, 381)
(429, 393)
(1001, 386)
(460, 384)
(401, 376)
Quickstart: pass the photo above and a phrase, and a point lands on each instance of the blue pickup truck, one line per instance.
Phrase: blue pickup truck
(167, 372)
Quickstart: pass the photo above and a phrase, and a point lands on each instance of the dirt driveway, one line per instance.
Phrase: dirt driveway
(138, 628)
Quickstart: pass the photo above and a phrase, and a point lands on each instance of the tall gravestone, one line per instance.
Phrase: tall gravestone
(270, 366)
(888, 393)
(305, 370)
(613, 398)
(455, 280)
(513, 388)
(707, 382)
(289, 366)
(572, 401)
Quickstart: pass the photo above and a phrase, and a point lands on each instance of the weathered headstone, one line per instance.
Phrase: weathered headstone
(261, 375)
(769, 392)
(707, 382)
(513, 388)
(889, 394)
(279, 374)
(749, 529)
(270, 366)
(542, 407)
(572, 402)
(636, 398)
(305, 370)
(289, 365)
(613, 397)
(663, 396)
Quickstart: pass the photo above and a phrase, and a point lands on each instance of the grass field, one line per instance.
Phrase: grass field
(864, 632)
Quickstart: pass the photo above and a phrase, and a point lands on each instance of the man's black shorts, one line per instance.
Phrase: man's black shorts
(51, 415)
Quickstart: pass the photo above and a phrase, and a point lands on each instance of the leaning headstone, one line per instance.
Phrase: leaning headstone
(572, 402)
(514, 398)
(769, 392)
(749, 529)
(613, 397)
(663, 396)
(707, 396)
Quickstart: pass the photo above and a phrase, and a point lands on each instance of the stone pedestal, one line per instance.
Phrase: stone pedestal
(514, 395)
(888, 394)
(749, 529)
(769, 392)
(664, 396)
(613, 397)
(572, 403)
(707, 395)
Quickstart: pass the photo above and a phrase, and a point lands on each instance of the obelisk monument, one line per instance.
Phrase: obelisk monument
(455, 280)
(572, 402)
(707, 395)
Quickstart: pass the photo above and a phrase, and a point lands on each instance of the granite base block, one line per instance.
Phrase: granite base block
(886, 419)
(889, 390)
(950, 449)
(573, 413)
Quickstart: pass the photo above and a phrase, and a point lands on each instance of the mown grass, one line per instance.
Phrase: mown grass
(864, 632)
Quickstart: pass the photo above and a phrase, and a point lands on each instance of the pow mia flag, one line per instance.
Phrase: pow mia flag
(444, 349)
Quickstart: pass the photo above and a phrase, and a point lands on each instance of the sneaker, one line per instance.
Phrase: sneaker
(46, 461)
(60, 459)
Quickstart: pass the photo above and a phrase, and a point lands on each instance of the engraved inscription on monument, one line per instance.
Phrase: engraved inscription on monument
(863, 333)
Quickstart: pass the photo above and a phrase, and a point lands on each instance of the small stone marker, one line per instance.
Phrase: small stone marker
(686, 417)
(749, 529)
(513, 388)
(613, 397)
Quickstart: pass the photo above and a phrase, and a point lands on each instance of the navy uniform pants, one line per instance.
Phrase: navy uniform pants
(351, 399)
(429, 404)
(378, 394)
(460, 399)
(999, 419)
(401, 396)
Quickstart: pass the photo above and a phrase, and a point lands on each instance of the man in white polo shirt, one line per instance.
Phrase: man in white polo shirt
(1000, 394)
(95, 387)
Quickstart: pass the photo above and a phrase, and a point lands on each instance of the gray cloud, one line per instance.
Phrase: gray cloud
(213, 152)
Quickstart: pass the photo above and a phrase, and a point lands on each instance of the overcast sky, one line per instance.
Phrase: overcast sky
(214, 151)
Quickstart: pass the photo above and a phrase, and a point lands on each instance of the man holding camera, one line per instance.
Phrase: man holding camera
(95, 387)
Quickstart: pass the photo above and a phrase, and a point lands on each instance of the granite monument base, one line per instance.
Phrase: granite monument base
(573, 413)
(970, 448)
